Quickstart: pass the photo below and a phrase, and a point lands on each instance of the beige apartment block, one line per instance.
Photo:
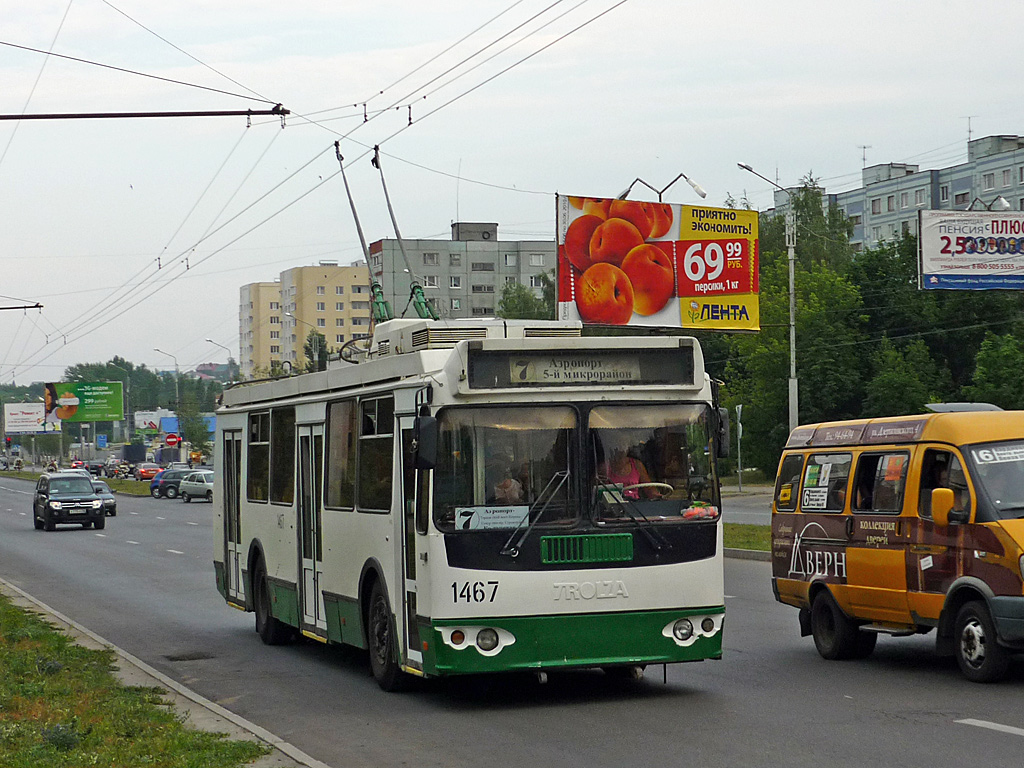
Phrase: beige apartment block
(276, 318)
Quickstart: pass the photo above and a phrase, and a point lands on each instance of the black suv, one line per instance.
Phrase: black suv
(66, 497)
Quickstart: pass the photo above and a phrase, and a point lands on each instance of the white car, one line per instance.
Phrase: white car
(197, 485)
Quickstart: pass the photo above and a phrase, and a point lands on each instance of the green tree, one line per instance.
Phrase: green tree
(902, 380)
(316, 351)
(518, 301)
(997, 371)
(193, 427)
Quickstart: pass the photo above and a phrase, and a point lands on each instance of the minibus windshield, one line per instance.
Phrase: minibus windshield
(1000, 475)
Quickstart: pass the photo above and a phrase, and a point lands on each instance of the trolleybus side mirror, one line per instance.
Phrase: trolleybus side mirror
(723, 433)
(426, 442)
(942, 506)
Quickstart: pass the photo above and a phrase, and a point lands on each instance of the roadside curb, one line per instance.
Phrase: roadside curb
(202, 713)
(748, 554)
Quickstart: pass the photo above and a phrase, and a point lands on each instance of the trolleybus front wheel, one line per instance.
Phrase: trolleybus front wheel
(380, 637)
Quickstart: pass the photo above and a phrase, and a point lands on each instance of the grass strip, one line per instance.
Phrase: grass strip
(62, 706)
(739, 536)
(129, 487)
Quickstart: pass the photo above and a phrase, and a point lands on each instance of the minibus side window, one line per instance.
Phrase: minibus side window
(942, 469)
(787, 486)
(825, 480)
(880, 483)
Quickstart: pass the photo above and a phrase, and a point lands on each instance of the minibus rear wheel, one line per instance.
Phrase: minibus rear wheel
(981, 658)
(835, 636)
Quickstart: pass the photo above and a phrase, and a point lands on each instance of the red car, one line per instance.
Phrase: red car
(76, 464)
(146, 471)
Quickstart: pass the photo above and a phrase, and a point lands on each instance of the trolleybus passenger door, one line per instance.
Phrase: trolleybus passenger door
(409, 538)
(311, 549)
(234, 586)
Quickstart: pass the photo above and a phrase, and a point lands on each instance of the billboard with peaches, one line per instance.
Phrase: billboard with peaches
(627, 262)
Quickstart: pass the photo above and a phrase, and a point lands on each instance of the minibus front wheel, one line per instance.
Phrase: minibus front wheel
(979, 655)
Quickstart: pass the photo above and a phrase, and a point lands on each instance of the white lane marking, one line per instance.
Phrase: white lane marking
(175, 552)
(23, 514)
(729, 597)
(101, 535)
(17, 490)
(161, 518)
(187, 522)
(993, 726)
(132, 542)
(133, 513)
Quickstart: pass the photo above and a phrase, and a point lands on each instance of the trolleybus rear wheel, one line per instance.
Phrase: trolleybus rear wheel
(271, 631)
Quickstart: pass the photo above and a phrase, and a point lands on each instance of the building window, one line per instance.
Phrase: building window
(904, 199)
(339, 290)
(855, 220)
(320, 290)
(961, 198)
(275, 334)
(339, 306)
(906, 228)
(430, 259)
(339, 322)
(455, 281)
(274, 306)
(918, 197)
(483, 311)
(944, 193)
(275, 349)
(360, 305)
(510, 259)
(455, 260)
(275, 320)
(429, 281)
(510, 280)
(483, 289)
(536, 281)
(375, 260)
(876, 205)
(339, 338)
(321, 306)
(1007, 177)
(360, 321)
(890, 203)
(360, 289)
(876, 233)
(892, 230)
(457, 303)
(321, 322)
(988, 181)
(483, 266)
(536, 259)
(1020, 203)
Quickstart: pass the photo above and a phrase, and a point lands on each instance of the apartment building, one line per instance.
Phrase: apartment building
(275, 319)
(463, 277)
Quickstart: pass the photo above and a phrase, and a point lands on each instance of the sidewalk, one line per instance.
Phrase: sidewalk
(197, 711)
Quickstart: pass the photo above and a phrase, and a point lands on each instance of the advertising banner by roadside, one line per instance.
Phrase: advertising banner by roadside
(27, 419)
(626, 262)
(971, 250)
(83, 401)
(148, 422)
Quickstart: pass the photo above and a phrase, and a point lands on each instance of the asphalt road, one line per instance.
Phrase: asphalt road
(753, 507)
(146, 584)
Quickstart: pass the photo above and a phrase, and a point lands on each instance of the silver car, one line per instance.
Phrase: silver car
(197, 485)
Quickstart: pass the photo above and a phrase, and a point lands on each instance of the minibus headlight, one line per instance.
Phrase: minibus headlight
(487, 639)
(683, 630)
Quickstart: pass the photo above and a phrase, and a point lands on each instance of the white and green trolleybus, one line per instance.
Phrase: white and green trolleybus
(474, 497)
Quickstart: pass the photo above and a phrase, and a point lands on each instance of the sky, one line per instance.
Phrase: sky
(136, 234)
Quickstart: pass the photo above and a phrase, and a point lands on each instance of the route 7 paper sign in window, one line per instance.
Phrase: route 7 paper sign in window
(627, 262)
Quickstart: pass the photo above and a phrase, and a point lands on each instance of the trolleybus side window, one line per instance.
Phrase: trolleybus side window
(376, 449)
(258, 457)
(341, 455)
(787, 487)
(826, 478)
(880, 482)
(496, 466)
(282, 455)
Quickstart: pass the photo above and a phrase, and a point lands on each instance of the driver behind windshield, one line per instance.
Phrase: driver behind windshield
(622, 466)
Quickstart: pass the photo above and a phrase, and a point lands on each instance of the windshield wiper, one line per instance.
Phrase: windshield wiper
(512, 550)
(615, 495)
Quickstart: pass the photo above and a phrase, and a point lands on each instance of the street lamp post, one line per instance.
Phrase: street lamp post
(696, 187)
(794, 401)
(316, 339)
(128, 398)
(177, 394)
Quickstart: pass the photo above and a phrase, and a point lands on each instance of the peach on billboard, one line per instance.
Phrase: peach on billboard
(627, 262)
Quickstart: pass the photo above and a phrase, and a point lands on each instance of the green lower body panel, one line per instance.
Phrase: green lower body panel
(284, 601)
(577, 640)
(218, 573)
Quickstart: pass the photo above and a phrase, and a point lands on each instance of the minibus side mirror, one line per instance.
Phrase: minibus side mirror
(723, 433)
(942, 505)
(426, 442)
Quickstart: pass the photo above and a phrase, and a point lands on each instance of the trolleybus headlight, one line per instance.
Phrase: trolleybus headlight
(487, 639)
(708, 625)
(682, 629)
(458, 637)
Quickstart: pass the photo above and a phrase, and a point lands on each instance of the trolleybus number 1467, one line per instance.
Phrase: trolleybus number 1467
(474, 591)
